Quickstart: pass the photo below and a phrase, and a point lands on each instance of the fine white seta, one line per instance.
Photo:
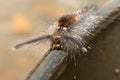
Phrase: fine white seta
(70, 31)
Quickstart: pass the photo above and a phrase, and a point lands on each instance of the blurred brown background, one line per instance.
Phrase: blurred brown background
(20, 19)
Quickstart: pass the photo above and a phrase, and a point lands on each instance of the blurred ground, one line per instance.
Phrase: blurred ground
(13, 20)
(18, 17)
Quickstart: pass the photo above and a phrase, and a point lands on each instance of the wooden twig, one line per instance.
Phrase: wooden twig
(50, 67)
